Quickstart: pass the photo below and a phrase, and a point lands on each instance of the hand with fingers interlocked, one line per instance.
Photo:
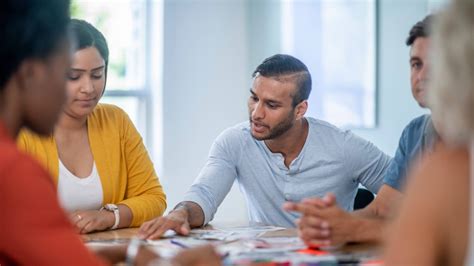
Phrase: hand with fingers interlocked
(322, 222)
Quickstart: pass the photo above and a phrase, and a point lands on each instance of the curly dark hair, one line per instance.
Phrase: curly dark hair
(30, 29)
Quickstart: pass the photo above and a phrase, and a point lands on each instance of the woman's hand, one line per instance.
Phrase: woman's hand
(92, 220)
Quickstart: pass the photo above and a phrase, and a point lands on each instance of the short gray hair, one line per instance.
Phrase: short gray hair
(451, 96)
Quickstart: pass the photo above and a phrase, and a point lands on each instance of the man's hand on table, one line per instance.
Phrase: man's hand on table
(176, 220)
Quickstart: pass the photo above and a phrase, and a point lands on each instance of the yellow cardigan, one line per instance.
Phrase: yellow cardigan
(125, 169)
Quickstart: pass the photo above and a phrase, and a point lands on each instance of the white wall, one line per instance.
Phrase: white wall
(210, 50)
(205, 87)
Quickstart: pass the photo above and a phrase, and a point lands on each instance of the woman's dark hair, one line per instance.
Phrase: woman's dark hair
(30, 29)
(86, 35)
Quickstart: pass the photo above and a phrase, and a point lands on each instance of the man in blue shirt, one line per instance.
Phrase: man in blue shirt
(278, 155)
(419, 135)
(323, 222)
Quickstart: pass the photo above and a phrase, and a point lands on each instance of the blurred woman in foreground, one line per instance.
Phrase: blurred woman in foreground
(433, 226)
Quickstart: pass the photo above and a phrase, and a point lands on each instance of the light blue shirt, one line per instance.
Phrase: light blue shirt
(331, 160)
(418, 136)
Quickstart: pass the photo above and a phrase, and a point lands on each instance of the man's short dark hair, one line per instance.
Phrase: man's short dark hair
(420, 29)
(282, 65)
(29, 29)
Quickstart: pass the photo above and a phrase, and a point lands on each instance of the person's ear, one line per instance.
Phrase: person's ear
(301, 109)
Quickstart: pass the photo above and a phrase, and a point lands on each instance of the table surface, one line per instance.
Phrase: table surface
(122, 236)
(128, 233)
(125, 233)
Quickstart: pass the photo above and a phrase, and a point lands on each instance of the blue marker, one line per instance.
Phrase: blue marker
(179, 244)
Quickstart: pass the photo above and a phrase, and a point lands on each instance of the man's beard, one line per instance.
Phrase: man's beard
(278, 130)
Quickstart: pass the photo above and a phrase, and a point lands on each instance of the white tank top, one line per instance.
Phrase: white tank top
(79, 193)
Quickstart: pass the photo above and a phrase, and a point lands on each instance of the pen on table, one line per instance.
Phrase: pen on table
(179, 244)
(182, 245)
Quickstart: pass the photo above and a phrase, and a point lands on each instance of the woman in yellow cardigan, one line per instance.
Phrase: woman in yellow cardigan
(104, 176)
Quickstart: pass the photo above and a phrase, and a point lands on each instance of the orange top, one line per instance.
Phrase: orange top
(33, 228)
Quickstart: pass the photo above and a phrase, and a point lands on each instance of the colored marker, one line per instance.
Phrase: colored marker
(179, 244)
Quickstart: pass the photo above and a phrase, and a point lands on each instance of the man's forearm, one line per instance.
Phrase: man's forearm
(368, 224)
(194, 212)
(368, 229)
(367, 212)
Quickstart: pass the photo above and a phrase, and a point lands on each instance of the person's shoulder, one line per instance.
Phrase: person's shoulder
(13, 161)
(414, 131)
(26, 133)
(9, 154)
(321, 125)
(235, 134)
(446, 161)
(326, 129)
(441, 182)
(27, 136)
(105, 109)
(242, 128)
(109, 114)
(418, 123)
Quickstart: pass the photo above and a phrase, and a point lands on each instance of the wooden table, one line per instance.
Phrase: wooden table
(122, 236)
(128, 233)
(119, 234)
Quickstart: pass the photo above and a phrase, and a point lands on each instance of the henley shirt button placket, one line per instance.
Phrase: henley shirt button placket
(287, 177)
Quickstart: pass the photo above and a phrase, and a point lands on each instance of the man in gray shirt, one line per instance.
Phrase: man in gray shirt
(323, 222)
(279, 155)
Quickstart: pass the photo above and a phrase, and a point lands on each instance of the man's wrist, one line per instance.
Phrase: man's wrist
(181, 209)
(365, 229)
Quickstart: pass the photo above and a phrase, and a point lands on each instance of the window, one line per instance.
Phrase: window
(124, 24)
(336, 40)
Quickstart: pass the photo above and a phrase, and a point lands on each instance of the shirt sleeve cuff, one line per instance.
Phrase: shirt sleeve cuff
(205, 206)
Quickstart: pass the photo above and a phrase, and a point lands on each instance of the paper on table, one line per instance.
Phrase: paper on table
(245, 232)
(107, 242)
(233, 233)
(275, 244)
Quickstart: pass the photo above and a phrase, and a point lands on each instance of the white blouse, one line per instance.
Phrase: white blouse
(79, 193)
